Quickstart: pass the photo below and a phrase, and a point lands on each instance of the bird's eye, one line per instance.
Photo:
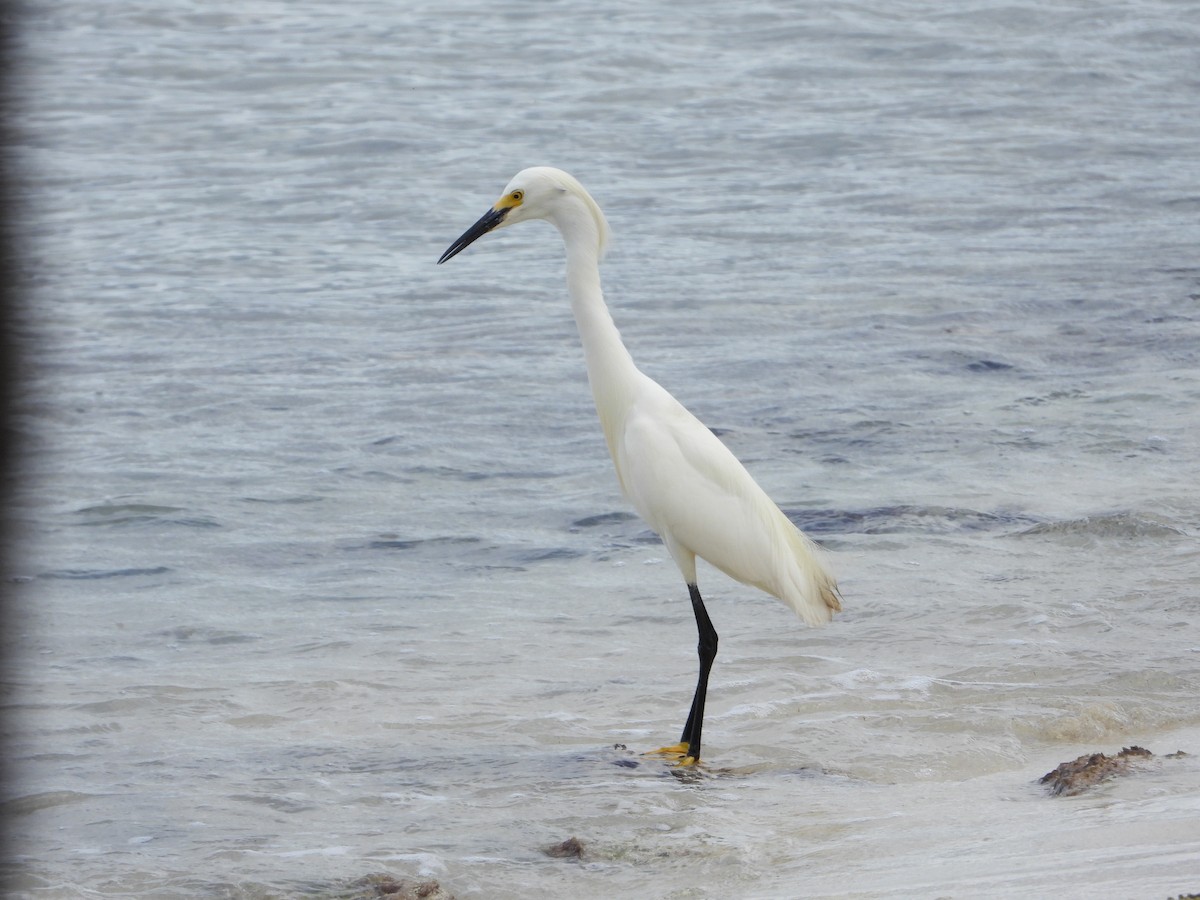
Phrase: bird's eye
(517, 195)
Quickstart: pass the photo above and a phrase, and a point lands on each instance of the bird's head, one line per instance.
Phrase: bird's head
(538, 193)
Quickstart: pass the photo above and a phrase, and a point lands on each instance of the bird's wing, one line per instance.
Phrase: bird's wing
(692, 490)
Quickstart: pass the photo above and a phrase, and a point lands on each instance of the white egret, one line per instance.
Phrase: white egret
(679, 477)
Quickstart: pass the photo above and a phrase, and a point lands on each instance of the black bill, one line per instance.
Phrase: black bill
(486, 223)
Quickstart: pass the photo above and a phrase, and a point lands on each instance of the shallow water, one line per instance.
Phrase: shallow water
(327, 572)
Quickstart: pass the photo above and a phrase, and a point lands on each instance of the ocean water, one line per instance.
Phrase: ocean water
(325, 572)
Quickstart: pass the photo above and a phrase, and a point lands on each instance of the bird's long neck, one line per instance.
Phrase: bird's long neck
(608, 362)
(611, 371)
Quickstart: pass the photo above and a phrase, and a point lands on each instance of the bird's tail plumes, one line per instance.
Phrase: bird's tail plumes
(807, 585)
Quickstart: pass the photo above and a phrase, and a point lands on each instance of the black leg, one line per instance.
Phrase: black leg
(707, 648)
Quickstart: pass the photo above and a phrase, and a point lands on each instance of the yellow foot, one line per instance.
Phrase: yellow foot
(680, 750)
(682, 753)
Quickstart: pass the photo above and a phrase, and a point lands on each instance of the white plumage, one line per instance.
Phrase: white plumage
(679, 477)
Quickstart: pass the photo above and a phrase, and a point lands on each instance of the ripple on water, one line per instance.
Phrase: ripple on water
(1114, 526)
(903, 519)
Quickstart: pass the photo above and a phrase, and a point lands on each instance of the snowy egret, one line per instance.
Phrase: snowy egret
(679, 477)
